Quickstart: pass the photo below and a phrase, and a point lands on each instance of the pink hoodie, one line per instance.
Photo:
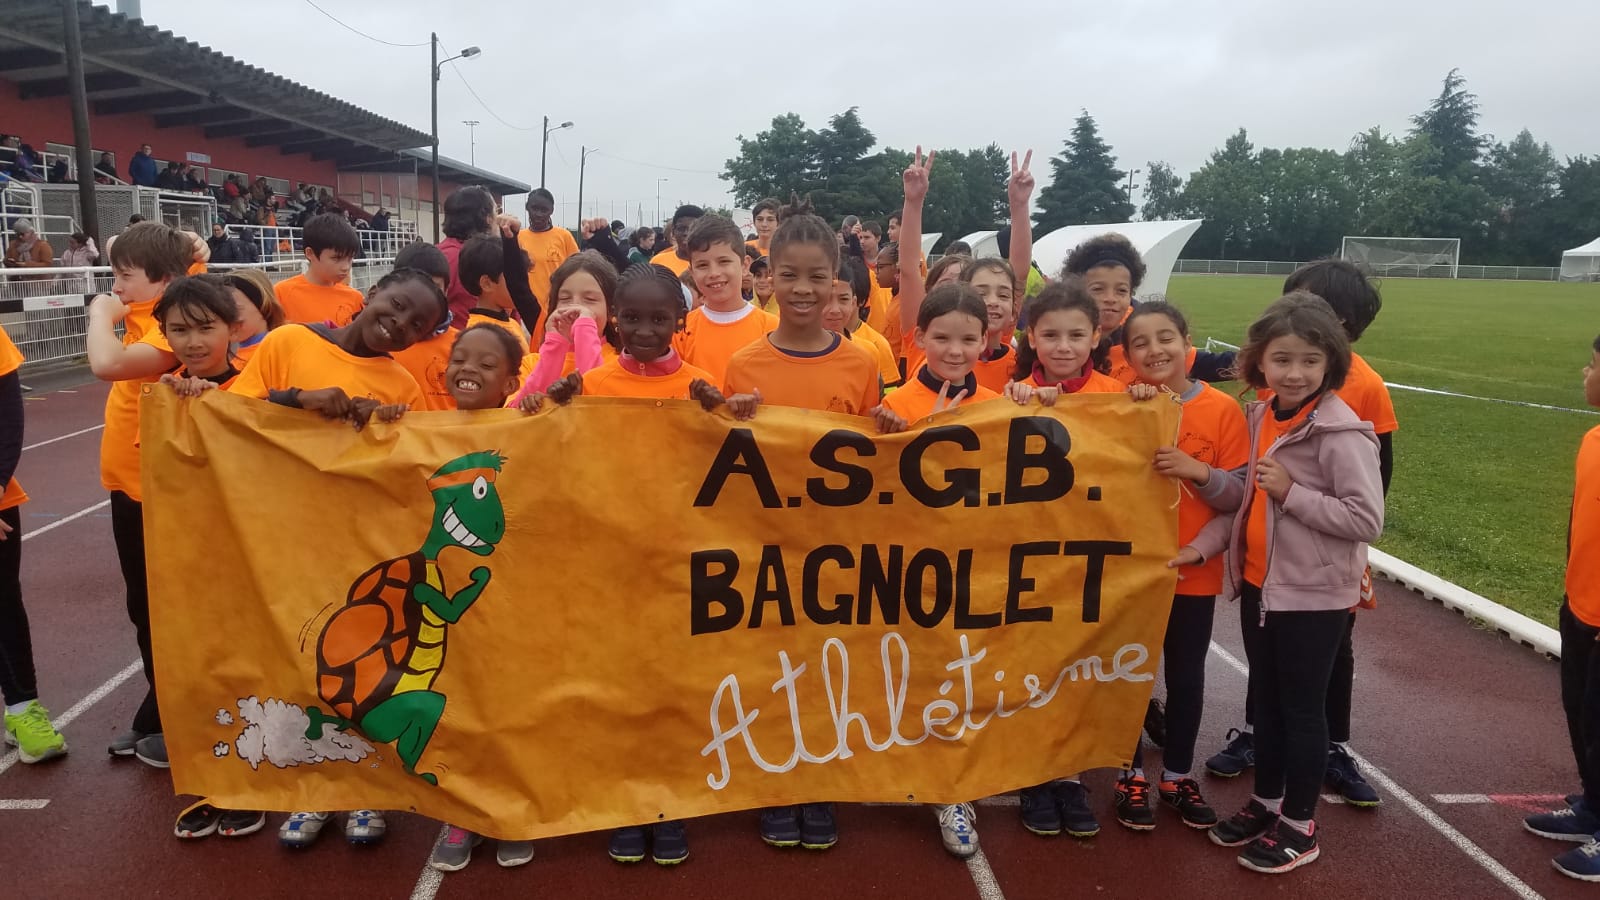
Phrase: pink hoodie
(584, 347)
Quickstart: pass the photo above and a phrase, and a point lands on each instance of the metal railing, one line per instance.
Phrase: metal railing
(1275, 267)
(286, 242)
(43, 309)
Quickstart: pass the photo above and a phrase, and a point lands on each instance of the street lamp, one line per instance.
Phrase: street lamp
(433, 47)
(472, 140)
(545, 148)
(583, 159)
(658, 199)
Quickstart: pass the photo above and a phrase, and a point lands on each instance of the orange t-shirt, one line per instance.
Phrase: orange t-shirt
(1098, 383)
(669, 258)
(303, 301)
(1366, 393)
(196, 268)
(876, 344)
(524, 365)
(612, 380)
(878, 302)
(995, 373)
(843, 379)
(546, 250)
(10, 361)
(426, 360)
(1213, 431)
(295, 356)
(891, 326)
(1255, 528)
(915, 400)
(709, 345)
(119, 443)
(1583, 554)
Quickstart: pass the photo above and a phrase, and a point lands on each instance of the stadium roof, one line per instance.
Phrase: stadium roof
(451, 170)
(131, 67)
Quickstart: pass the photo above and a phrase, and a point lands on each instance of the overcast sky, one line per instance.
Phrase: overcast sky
(664, 89)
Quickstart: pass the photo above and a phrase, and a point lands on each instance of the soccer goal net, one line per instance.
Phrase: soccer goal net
(1414, 257)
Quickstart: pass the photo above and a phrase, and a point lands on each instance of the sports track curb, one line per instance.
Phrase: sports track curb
(1509, 622)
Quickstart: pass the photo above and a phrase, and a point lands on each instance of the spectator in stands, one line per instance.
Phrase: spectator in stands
(29, 250)
(105, 171)
(643, 244)
(60, 172)
(142, 169)
(380, 220)
(26, 166)
(8, 151)
(80, 251)
(194, 181)
(219, 236)
(171, 179)
(249, 247)
(468, 213)
(305, 196)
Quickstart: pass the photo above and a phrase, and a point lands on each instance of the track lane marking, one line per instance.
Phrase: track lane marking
(63, 437)
(81, 707)
(43, 529)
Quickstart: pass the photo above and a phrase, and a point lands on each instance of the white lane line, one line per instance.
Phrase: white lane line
(28, 535)
(24, 804)
(1457, 799)
(81, 707)
(62, 438)
(983, 877)
(429, 882)
(1462, 842)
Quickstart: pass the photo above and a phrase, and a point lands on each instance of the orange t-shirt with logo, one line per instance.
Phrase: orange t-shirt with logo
(426, 360)
(669, 258)
(1213, 431)
(1255, 528)
(10, 361)
(843, 379)
(296, 356)
(612, 380)
(876, 344)
(1583, 553)
(119, 443)
(916, 400)
(305, 302)
(707, 344)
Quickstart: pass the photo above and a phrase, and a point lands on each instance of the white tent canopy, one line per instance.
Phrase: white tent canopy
(1159, 243)
(983, 243)
(928, 240)
(1582, 263)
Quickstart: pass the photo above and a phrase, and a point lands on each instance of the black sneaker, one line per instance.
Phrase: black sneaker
(627, 845)
(1040, 813)
(669, 843)
(1077, 818)
(818, 831)
(780, 826)
(1343, 776)
(240, 822)
(1183, 795)
(1244, 826)
(1155, 723)
(1283, 849)
(1133, 804)
(197, 822)
(123, 744)
(1240, 754)
(152, 751)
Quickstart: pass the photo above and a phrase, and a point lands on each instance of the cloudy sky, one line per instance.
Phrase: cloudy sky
(664, 89)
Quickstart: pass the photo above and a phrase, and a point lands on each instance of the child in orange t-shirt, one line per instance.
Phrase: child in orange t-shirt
(145, 259)
(852, 291)
(723, 323)
(494, 271)
(547, 247)
(1056, 354)
(322, 293)
(950, 335)
(27, 722)
(428, 358)
(581, 332)
(199, 320)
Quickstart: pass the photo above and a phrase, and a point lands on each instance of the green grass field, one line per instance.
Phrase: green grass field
(1481, 491)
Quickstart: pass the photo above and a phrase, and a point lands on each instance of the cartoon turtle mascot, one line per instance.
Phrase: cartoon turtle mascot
(379, 655)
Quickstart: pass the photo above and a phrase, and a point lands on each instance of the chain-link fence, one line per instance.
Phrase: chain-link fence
(1273, 267)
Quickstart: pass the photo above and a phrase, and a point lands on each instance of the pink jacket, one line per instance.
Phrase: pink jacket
(1317, 537)
(584, 348)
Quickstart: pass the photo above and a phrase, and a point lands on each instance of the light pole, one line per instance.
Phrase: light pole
(545, 148)
(1131, 185)
(472, 140)
(658, 199)
(433, 47)
(583, 160)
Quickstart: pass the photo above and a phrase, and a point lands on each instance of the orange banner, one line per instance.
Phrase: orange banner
(625, 609)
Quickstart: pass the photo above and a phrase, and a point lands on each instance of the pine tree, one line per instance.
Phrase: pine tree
(1086, 187)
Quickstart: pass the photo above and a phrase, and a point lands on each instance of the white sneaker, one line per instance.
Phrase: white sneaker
(364, 826)
(511, 854)
(958, 828)
(302, 829)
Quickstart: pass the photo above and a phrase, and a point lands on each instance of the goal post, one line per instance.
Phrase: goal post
(1417, 257)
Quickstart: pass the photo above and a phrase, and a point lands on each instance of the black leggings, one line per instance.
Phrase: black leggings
(1291, 658)
(1341, 685)
(1580, 698)
(127, 528)
(17, 680)
(1187, 642)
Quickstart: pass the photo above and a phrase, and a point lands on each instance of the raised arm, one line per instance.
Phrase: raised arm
(1019, 194)
(911, 287)
(516, 276)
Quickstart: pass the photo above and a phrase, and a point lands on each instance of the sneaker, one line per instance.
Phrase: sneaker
(1183, 795)
(454, 850)
(669, 843)
(302, 829)
(1040, 812)
(123, 744)
(956, 829)
(1343, 776)
(1155, 723)
(627, 845)
(1133, 804)
(1572, 799)
(1077, 818)
(1575, 823)
(780, 826)
(510, 854)
(1283, 849)
(196, 822)
(1582, 863)
(1244, 826)
(32, 734)
(152, 751)
(240, 822)
(1240, 754)
(364, 826)
(818, 831)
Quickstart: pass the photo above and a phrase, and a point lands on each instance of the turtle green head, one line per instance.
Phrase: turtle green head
(466, 507)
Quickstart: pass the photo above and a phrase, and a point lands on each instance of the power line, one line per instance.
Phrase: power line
(355, 30)
(656, 165)
(492, 114)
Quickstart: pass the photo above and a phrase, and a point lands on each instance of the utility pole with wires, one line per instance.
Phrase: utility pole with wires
(472, 140)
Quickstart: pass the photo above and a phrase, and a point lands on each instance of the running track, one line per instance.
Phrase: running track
(1443, 710)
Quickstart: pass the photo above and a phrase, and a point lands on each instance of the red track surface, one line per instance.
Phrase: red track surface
(1441, 708)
